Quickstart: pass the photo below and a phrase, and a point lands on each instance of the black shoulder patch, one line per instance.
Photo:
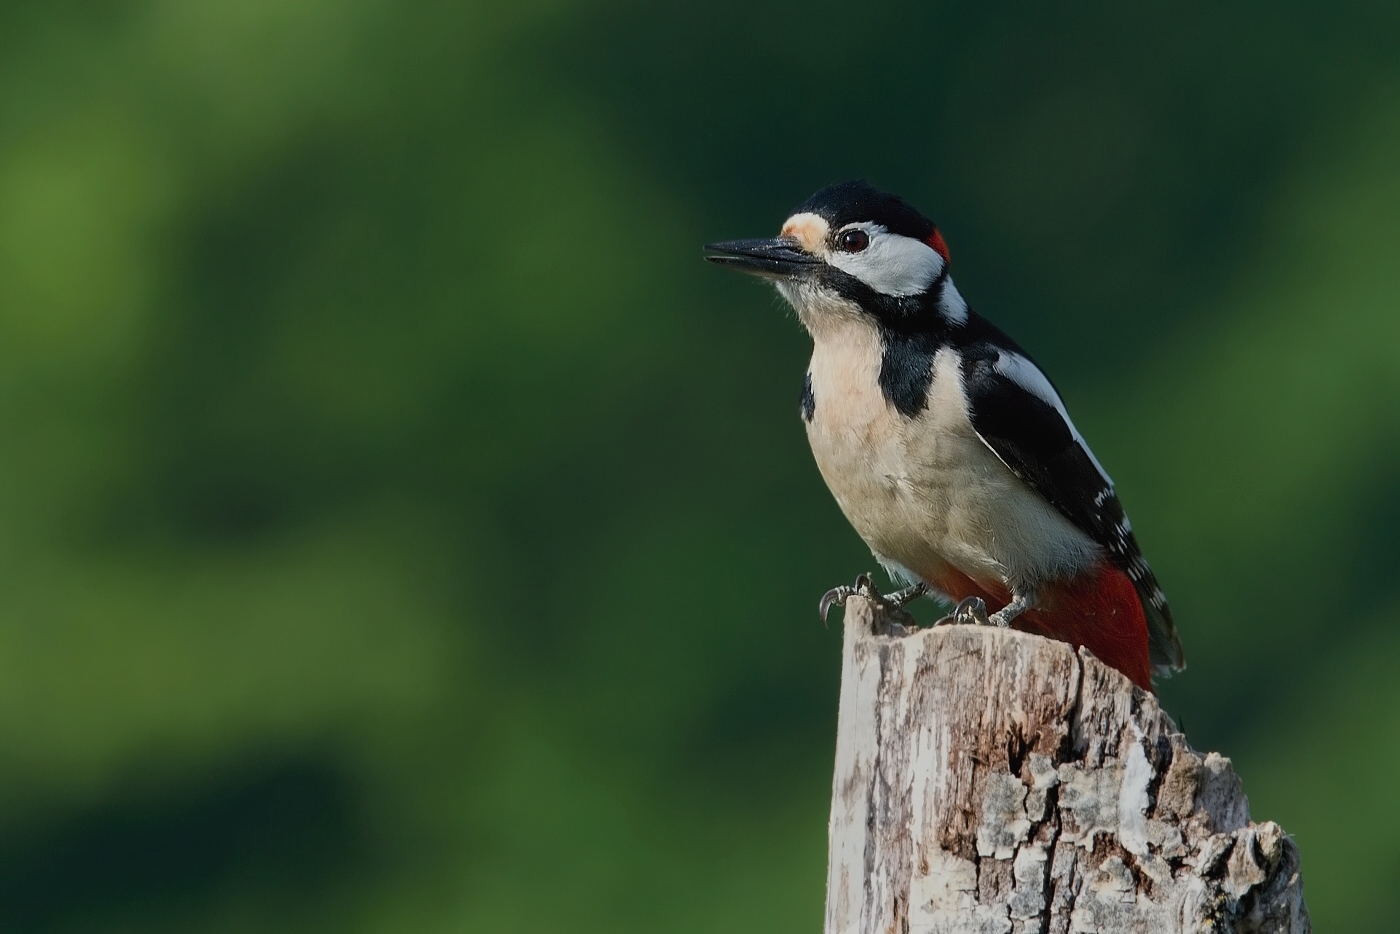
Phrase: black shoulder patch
(809, 401)
(1020, 427)
(906, 369)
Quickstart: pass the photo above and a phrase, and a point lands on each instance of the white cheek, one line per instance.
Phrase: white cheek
(892, 265)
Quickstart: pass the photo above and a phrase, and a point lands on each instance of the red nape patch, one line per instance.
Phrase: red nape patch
(935, 240)
(1099, 610)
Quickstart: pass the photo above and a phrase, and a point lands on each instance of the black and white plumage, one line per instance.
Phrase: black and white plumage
(946, 446)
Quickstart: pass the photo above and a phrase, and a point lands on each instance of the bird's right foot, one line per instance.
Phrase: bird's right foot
(891, 617)
(838, 595)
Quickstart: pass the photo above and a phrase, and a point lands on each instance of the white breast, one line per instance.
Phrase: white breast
(925, 492)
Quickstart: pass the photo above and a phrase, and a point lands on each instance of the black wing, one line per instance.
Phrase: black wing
(1017, 412)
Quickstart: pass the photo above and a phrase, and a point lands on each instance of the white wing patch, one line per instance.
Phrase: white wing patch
(891, 264)
(1027, 375)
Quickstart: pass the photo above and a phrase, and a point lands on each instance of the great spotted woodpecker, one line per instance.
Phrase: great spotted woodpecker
(946, 447)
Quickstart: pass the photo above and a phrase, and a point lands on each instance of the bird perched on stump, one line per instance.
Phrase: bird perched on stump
(945, 445)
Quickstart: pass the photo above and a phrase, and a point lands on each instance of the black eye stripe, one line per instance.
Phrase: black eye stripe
(853, 240)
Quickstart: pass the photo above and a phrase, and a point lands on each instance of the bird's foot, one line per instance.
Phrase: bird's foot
(1005, 616)
(838, 595)
(1001, 618)
(970, 612)
(890, 616)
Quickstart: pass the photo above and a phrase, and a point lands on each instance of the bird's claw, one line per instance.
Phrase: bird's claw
(838, 595)
(888, 610)
(970, 612)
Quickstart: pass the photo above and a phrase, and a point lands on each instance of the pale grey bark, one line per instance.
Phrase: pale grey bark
(996, 782)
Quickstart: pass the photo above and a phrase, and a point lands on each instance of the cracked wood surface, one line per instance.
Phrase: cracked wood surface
(992, 781)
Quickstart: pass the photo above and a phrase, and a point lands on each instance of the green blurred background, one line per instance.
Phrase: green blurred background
(404, 530)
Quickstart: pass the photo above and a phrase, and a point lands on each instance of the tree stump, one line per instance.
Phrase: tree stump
(996, 782)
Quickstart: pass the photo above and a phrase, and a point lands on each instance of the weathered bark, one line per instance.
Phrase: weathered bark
(992, 781)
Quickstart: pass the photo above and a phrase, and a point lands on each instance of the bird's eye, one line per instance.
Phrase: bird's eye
(853, 240)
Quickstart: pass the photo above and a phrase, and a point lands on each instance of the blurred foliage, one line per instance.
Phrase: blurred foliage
(404, 530)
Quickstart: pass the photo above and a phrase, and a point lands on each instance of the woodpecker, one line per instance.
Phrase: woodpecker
(947, 448)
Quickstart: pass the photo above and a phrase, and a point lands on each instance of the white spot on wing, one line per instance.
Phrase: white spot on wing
(1027, 375)
(891, 264)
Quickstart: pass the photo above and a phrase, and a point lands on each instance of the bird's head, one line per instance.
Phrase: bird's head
(850, 250)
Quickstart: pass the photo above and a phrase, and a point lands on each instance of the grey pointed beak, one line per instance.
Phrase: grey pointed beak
(778, 258)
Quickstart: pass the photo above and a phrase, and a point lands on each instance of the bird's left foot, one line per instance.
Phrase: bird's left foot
(890, 616)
